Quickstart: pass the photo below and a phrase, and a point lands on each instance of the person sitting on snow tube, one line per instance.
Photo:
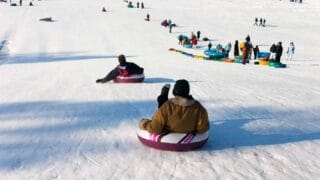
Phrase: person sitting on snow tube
(181, 114)
(124, 69)
(130, 5)
(164, 23)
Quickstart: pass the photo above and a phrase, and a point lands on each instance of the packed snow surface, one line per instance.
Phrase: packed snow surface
(57, 123)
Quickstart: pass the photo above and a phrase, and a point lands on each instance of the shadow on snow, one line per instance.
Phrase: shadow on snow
(39, 131)
(254, 126)
(53, 57)
(32, 133)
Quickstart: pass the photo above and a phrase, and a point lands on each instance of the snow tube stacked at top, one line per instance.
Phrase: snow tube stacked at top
(215, 55)
(135, 78)
(173, 141)
(264, 55)
(183, 37)
(276, 64)
(238, 59)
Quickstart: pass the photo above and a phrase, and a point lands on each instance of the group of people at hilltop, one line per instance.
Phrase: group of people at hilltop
(14, 4)
(300, 1)
(276, 50)
(138, 4)
(262, 22)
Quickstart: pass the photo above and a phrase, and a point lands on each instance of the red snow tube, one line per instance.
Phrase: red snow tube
(135, 78)
(173, 141)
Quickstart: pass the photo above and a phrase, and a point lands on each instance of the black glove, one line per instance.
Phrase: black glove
(165, 90)
(99, 81)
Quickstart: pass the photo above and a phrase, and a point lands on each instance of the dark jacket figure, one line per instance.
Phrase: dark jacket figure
(170, 28)
(264, 23)
(130, 5)
(138, 4)
(142, 5)
(256, 52)
(198, 35)
(104, 9)
(279, 50)
(180, 39)
(248, 38)
(181, 114)
(163, 97)
(209, 46)
(236, 48)
(123, 69)
(147, 18)
(164, 23)
(227, 49)
(255, 22)
(20, 2)
(273, 52)
(261, 22)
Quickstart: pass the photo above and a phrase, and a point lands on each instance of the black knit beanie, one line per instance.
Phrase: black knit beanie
(181, 88)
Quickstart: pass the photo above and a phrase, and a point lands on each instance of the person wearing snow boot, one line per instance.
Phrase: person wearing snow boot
(123, 69)
(181, 114)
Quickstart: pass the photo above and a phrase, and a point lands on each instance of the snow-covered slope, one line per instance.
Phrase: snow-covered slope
(57, 123)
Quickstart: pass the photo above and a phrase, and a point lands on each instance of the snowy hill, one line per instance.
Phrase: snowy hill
(57, 123)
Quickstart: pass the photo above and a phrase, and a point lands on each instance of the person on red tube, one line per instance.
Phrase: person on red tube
(124, 69)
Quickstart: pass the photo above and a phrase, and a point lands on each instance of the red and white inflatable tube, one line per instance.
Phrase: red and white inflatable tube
(129, 79)
(173, 141)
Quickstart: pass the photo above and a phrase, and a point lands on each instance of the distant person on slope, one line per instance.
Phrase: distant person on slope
(245, 49)
(279, 50)
(181, 114)
(147, 17)
(256, 51)
(290, 51)
(198, 35)
(227, 49)
(236, 48)
(273, 52)
(123, 69)
(255, 22)
(209, 46)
